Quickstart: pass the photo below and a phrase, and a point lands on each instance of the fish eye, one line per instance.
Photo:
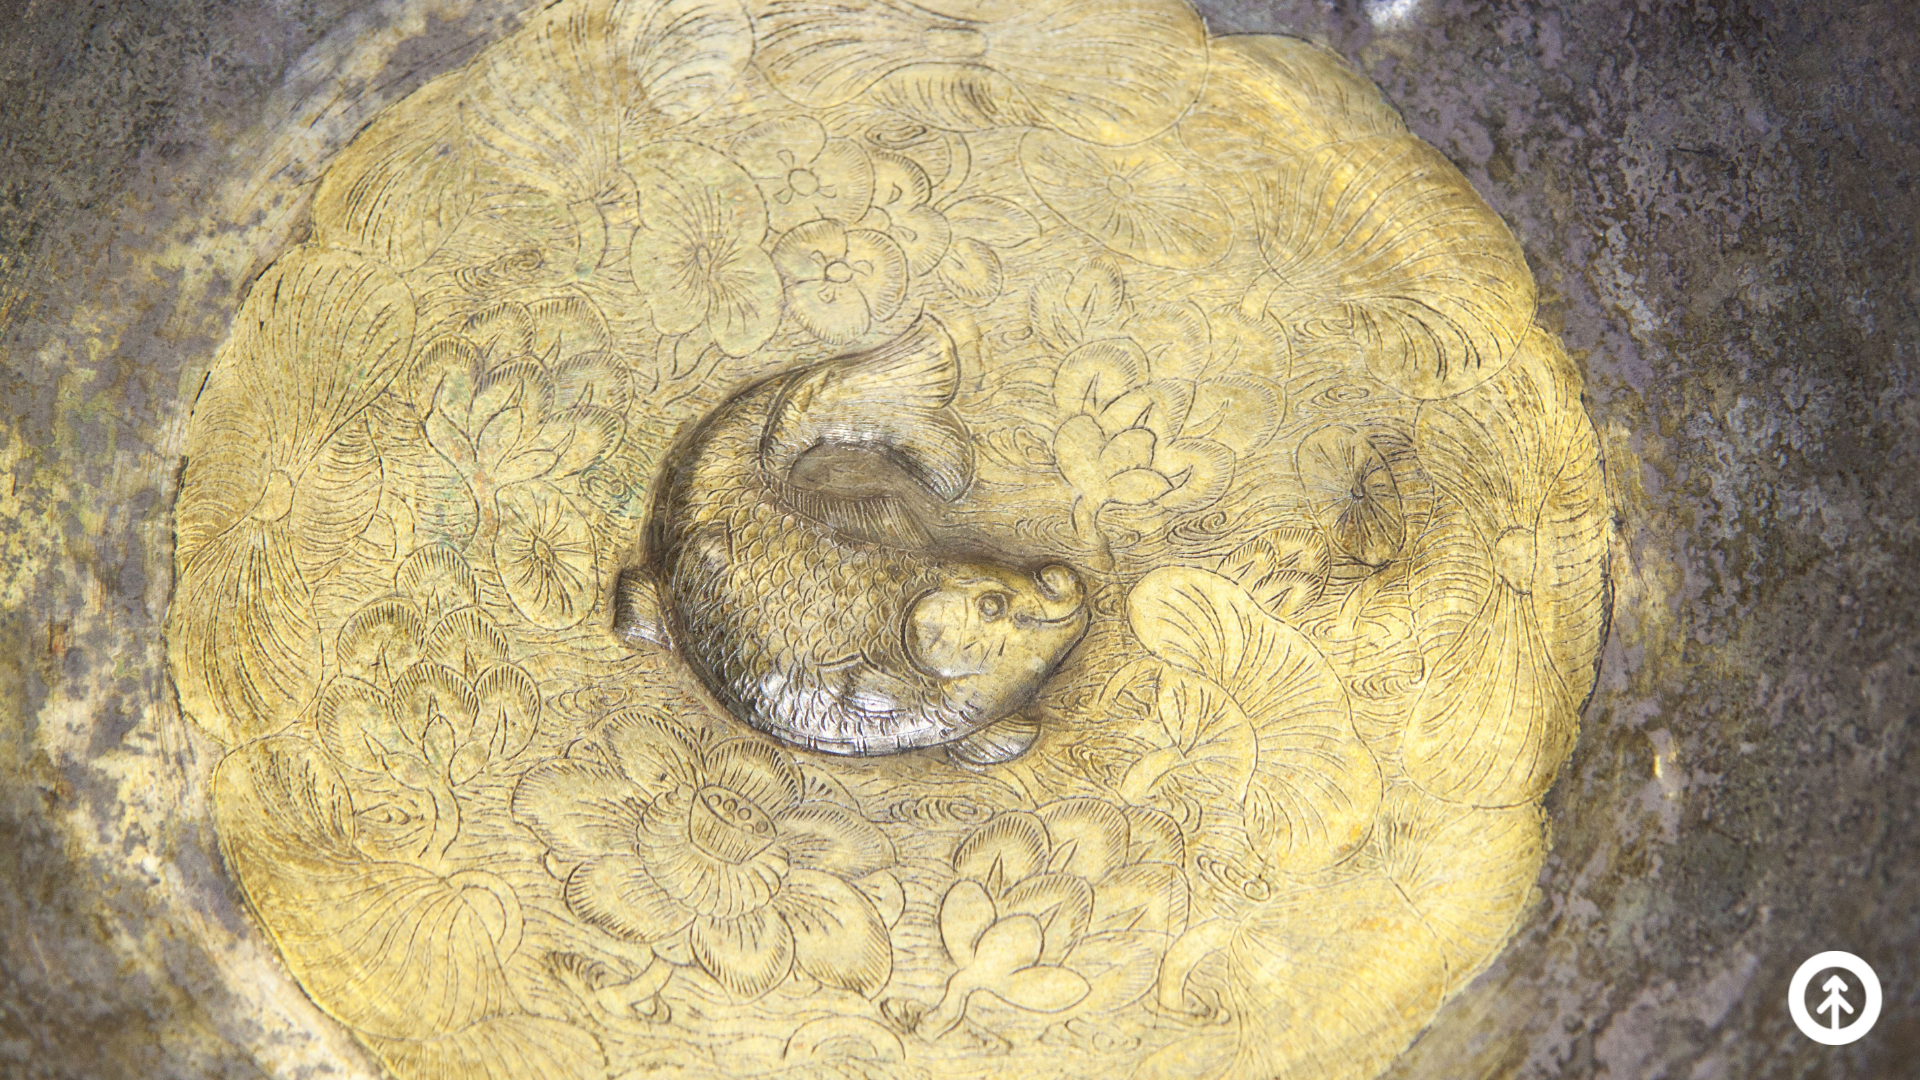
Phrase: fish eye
(992, 606)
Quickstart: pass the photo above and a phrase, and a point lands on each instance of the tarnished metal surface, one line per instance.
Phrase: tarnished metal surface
(1720, 238)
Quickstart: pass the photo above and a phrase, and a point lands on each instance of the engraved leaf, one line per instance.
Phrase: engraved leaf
(1333, 981)
(242, 639)
(1468, 871)
(1269, 96)
(1494, 719)
(1205, 741)
(1510, 583)
(1385, 234)
(549, 107)
(1138, 200)
(1098, 70)
(321, 333)
(334, 498)
(1353, 494)
(402, 185)
(1315, 787)
(387, 948)
(503, 1048)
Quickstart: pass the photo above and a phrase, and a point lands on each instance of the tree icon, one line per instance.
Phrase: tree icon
(1836, 1002)
(1834, 1033)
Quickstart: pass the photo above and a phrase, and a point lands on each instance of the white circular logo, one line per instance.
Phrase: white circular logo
(1839, 1026)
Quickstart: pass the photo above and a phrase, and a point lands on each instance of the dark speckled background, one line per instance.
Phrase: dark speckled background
(1718, 200)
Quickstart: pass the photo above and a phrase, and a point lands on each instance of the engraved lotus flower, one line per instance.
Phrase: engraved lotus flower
(718, 842)
(426, 700)
(519, 433)
(1125, 441)
(840, 281)
(1064, 908)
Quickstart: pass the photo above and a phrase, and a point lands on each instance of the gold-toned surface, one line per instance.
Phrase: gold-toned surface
(1234, 345)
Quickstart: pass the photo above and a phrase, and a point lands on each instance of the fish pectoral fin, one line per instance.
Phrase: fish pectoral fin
(637, 613)
(876, 693)
(893, 396)
(878, 518)
(997, 743)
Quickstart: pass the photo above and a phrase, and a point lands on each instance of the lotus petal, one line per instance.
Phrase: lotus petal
(467, 641)
(1137, 200)
(1070, 309)
(1385, 238)
(838, 935)
(1062, 903)
(616, 893)
(1012, 846)
(652, 751)
(834, 839)
(1089, 836)
(420, 480)
(579, 809)
(757, 769)
(1098, 70)
(509, 714)
(748, 954)
(437, 577)
(356, 725)
(1150, 897)
(1096, 375)
(1315, 787)
(965, 913)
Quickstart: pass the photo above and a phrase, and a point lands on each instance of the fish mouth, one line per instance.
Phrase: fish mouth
(1026, 622)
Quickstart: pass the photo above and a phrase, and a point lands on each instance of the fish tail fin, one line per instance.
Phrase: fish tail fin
(892, 397)
(637, 614)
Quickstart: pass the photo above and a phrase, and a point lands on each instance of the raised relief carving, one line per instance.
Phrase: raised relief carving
(843, 538)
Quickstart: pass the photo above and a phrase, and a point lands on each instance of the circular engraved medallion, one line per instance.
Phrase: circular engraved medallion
(855, 539)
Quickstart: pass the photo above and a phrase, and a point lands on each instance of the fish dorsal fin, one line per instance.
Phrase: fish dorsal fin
(892, 397)
(878, 518)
